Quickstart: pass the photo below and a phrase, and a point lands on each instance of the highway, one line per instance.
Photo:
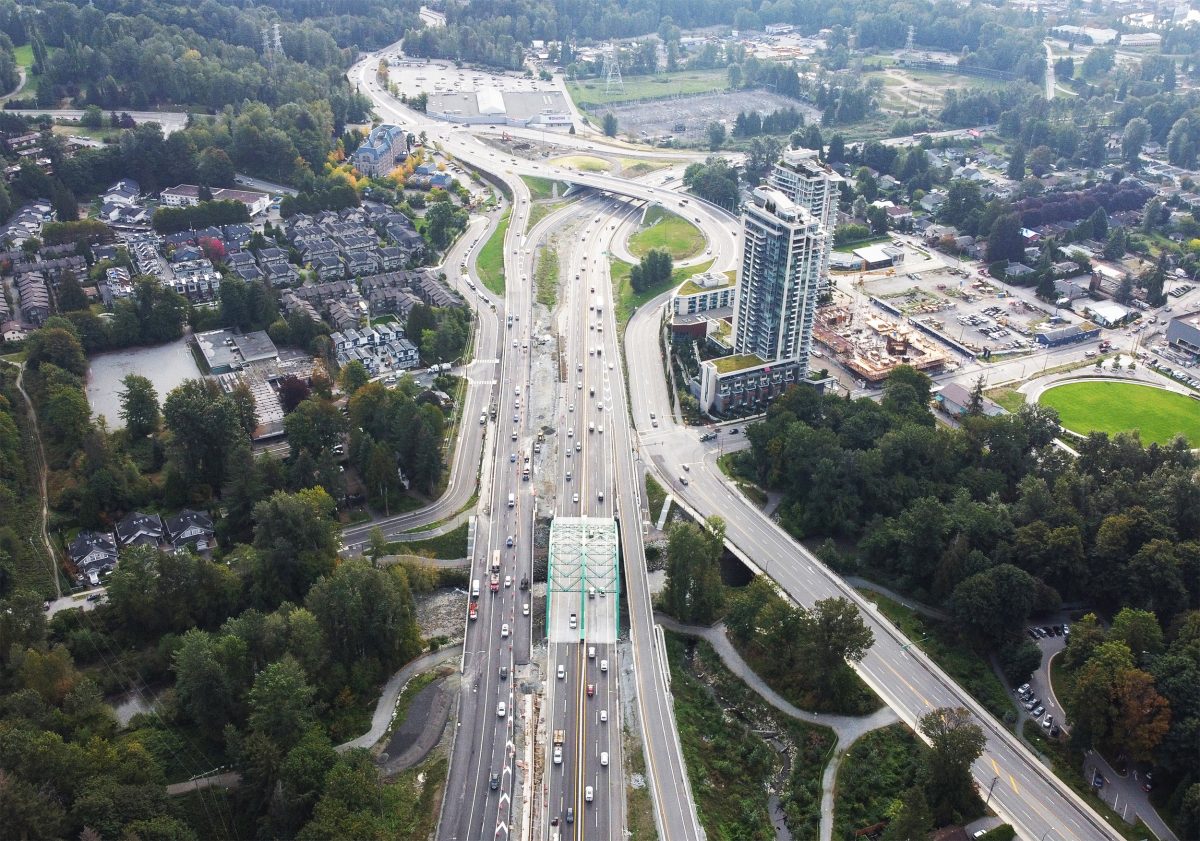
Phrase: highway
(583, 601)
(1025, 794)
(482, 744)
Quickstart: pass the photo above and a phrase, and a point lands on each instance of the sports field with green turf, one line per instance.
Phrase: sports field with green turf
(1158, 415)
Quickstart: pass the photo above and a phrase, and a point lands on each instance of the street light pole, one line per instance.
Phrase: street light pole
(992, 786)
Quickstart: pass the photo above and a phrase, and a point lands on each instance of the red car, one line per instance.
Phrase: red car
(591, 689)
(473, 613)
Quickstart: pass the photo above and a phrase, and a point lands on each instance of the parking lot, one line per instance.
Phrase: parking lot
(417, 76)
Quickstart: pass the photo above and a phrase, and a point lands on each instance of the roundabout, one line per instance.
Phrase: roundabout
(1102, 405)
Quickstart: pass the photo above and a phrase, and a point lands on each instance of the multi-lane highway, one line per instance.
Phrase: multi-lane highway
(1025, 793)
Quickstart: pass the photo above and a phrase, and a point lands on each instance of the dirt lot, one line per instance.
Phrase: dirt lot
(696, 112)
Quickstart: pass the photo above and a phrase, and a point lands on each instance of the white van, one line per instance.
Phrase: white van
(475, 589)
(512, 500)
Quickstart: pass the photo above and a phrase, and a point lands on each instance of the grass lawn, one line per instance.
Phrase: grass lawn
(490, 262)
(633, 167)
(542, 188)
(736, 362)
(849, 246)
(656, 495)
(583, 163)
(880, 766)
(1158, 415)
(1009, 398)
(449, 546)
(729, 464)
(628, 300)
(546, 277)
(673, 234)
(590, 92)
(969, 670)
(541, 210)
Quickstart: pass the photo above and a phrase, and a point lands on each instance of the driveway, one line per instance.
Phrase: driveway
(1039, 682)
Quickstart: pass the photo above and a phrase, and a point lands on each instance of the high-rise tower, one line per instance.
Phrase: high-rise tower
(783, 248)
(801, 177)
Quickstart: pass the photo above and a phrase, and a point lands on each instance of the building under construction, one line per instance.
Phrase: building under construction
(871, 345)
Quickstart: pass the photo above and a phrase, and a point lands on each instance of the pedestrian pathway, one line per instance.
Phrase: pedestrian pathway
(911, 604)
(846, 728)
(381, 720)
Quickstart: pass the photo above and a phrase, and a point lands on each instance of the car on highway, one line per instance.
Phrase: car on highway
(604, 758)
(591, 690)
(558, 756)
(525, 609)
(683, 480)
(512, 458)
(578, 446)
(507, 581)
(570, 816)
(504, 630)
(501, 709)
(571, 432)
(589, 794)
(494, 781)
(603, 716)
(562, 671)
(575, 498)
(509, 541)
(504, 672)
(573, 621)
(604, 665)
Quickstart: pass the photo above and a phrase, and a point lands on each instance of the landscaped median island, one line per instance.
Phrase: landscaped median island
(1158, 415)
(627, 300)
(669, 232)
(490, 262)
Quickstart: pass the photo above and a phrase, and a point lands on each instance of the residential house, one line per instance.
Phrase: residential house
(35, 297)
(433, 293)
(116, 284)
(138, 529)
(342, 316)
(188, 195)
(327, 266)
(13, 331)
(191, 528)
(391, 258)
(360, 263)
(124, 193)
(391, 300)
(281, 274)
(290, 303)
(93, 553)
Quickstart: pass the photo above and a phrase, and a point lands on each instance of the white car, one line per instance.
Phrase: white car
(588, 794)
(525, 609)
(507, 581)
(575, 498)
(571, 432)
(604, 758)
(604, 665)
(603, 716)
(558, 756)
(504, 631)
(562, 671)
(501, 709)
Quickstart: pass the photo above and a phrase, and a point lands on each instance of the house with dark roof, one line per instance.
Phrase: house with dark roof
(138, 529)
(281, 274)
(191, 528)
(92, 553)
(327, 266)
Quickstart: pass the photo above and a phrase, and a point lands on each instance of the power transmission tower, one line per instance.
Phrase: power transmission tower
(272, 44)
(612, 70)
